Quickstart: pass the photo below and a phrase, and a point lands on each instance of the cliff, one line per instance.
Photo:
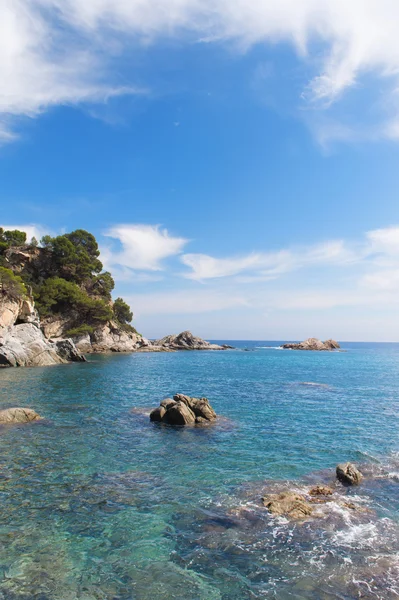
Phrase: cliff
(22, 342)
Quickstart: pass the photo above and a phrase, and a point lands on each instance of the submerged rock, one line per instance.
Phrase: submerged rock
(183, 410)
(18, 415)
(348, 474)
(313, 344)
(321, 490)
(288, 504)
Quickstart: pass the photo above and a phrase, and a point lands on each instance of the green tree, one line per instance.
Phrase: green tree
(13, 237)
(10, 284)
(122, 311)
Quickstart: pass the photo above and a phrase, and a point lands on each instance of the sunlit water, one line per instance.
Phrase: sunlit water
(99, 503)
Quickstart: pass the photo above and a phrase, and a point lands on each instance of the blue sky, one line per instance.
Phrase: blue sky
(238, 162)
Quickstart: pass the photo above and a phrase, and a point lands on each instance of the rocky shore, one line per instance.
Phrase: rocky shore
(313, 344)
(22, 342)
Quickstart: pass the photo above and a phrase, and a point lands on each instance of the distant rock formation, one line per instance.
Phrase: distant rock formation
(22, 343)
(18, 415)
(313, 344)
(183, 410)
(187, 341)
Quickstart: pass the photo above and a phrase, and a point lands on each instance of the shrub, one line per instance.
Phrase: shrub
(10, 284)
(81, 330)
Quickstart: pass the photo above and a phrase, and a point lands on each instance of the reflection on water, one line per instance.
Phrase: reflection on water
(99, 503)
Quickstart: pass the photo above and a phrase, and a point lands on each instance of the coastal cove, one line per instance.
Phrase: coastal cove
(100, 503)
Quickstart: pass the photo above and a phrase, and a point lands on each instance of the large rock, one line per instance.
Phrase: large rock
(187, 341)
(313, 344)
(183, 410)
(22, 343)
(18, 415)
(348, 474)
(288, 504)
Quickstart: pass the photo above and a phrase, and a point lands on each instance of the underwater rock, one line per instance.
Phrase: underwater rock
(348, 474)
(183, 410)
(288, 504)
(320, 490)
(18, 415)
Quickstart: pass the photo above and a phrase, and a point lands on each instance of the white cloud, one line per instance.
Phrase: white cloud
(268, 265)
(31, 230)
(56, 52)
(144, 247)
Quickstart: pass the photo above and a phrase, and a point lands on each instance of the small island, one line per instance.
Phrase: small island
(313, 344)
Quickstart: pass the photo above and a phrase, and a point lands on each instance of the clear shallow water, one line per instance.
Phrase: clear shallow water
(98, 503)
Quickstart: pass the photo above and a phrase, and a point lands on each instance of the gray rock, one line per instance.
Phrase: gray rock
(18, 415)
(348, 474)
(168, 402)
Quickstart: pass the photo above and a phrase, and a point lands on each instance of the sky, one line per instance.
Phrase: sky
(237, 160)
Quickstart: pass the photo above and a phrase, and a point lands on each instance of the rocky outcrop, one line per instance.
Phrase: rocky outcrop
(183, 410)
(23, 344)
(348, 474)
(18, 415)
(187, 341)
(288, 504)
(313, 344)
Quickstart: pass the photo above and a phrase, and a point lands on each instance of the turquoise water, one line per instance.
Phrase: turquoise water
(99, 503)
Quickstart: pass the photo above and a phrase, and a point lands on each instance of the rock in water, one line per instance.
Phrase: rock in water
(348, 474)
(288, 504)
(179, 414)
(187, 341)
(18, 415)
(313, 344)
(183, 410)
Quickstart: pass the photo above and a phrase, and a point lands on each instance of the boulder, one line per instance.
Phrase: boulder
(313, 344)
(348, 474)
(183, 410)
(18, 415)
(157, 414)
(288, 504)
(179, 414)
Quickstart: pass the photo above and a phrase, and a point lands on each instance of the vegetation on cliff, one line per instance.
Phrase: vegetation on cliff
(66, 278)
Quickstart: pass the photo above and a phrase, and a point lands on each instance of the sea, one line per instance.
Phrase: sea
(98, 503)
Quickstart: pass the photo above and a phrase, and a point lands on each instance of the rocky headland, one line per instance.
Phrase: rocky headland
(56, 305)
(313, 344)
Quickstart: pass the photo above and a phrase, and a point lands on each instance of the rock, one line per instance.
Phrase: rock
(320, 490)
(348, 474)
(313, 344)
(167, 403)
(288, 504)
(18, 415)
(183, 410)
(24, 345)
(157, 414)
(179, 414)
(186, 341)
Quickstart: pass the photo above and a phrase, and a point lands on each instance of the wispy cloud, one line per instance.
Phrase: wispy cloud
(269, 265)
(143, 247)
(55, 52)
